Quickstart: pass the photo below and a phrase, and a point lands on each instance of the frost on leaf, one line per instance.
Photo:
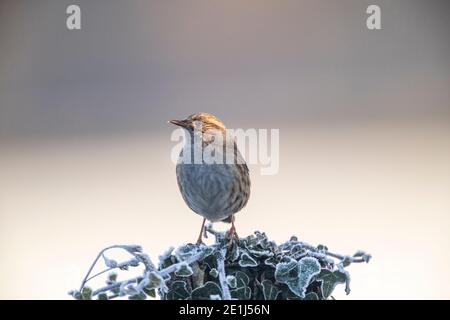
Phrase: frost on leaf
(311, 296)
(272, 261)
(186, 251)
(184, 270)
(252, 268)
(329, 280)
(214, 273)
(86, 293)
(270, 291)
(297, 275)
(206, 291)
(137, 296)
(155, 280)
(231, 281)
(247, 261)
(286, 271)
(102, 296)
(110, 263)
(207, 251)
(178, 291)
(242, 290)
(133, 248)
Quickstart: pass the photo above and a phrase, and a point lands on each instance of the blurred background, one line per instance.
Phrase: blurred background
(364, 119)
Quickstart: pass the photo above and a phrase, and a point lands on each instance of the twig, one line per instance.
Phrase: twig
(175, 266)
(222, 276)
(119, 266)
(162, 273)
(83, 283)
(312, 249)
(128, 248)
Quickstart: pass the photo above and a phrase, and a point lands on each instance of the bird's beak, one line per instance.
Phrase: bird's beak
(180, 123)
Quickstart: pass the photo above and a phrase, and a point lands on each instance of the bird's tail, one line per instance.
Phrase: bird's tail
(228, 219)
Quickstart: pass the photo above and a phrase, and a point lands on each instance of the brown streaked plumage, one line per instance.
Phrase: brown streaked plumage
(216, 191)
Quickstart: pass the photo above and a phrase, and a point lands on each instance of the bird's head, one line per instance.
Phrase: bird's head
(201, 122)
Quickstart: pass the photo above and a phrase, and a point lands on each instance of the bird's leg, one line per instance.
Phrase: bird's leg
(199, 240)
(232, 232)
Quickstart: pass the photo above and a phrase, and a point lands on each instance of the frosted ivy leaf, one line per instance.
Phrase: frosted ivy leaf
(297, 275)
(214, 273)
(261, 253)
(155, 280)
(270, 291)
(272, 261)
(286, 270)
(311, 296)
(207, 251)
(186, 251)
(75, 294)
(112, 277)
(184, 270)
(242, 290)
(166, 254)
(102, 296)
(178, 291)
(110, 263)
(206, 291)
(231, 281)
(86, 293)
(131, 290)
(247, 261)
(133, 262)
(137, 296)
(309, 267)
(330, 279)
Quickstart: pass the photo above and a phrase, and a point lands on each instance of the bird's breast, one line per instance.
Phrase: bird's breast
(211, 190)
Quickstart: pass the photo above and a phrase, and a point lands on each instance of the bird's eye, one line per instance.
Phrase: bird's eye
(197, 125)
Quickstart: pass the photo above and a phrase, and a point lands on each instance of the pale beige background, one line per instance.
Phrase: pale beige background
(363, 116)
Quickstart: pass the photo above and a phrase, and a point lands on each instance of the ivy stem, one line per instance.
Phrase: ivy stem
(86, 278)
(222, 275)
(162, 273)
(127, 248)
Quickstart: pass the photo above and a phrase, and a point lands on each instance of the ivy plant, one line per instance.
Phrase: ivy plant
(250, 268)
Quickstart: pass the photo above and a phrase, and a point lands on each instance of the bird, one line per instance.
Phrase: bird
(215, 190)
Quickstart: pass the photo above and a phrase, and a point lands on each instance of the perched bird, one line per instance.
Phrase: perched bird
(217, 189)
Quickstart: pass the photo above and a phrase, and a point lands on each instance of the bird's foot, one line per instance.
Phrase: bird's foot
(202, 230)
(199, 241)
(232, 234)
